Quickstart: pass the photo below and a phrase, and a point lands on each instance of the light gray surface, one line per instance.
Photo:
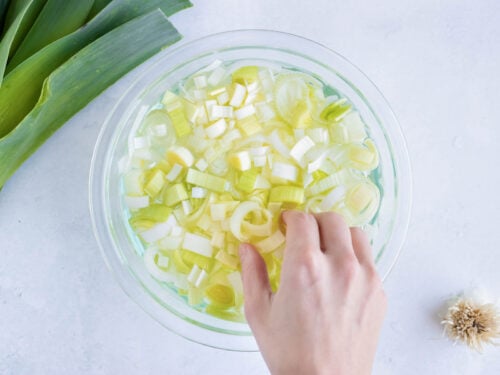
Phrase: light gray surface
(437, 62)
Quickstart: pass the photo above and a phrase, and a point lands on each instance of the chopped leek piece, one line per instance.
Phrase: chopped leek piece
(197, 244)
(290, 194)
(216, 129)
(246, 75)
(175, 194)
(176, 112)
(155, 213)
(271, 243)
(285, 171)
(301, 147)
(239, 93)
(135, 203)
(220, 295)
(174, 172)
(180, 155)
(155, 183)
(248, 180)
(228, 260)
(335, 111)
(203, 262)
(156, 232)
(206, 180)
(241, 160)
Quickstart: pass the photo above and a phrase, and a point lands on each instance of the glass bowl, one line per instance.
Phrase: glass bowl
(119, 246)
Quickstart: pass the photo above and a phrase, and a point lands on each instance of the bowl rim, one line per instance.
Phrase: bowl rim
(404, 165)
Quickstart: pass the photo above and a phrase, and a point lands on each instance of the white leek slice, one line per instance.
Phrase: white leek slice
(157, 232)
(212, 66)
(262, 182)
(198, 192)
(364, 158)
(216, 76)
(194, 274)
(231, 136)
(328, 182)
(259, 230)
(234, 279)
(216, 129)
(180, 155)
(174, 172)
(238, 218)
(175, 194)
(150, 260)
(259, 161)
(218, 240)
(155, 183)
(134, 182)
(220, 111)
(170, 242)
(301, 147)
(241, 161)
(176, 231)
(239, 94)
(285, 171)
(135, 203)
(201, 164)
(355, 127)
(141, 142)
(264, 112)
(200, 81)
(218, 211)
(187, 207)
(202, 277)
(271, 243)
(223, 98)
(332, 198)
(278, 144)
(206, 180)
(226, 259)
(197, 244)
(244, 112)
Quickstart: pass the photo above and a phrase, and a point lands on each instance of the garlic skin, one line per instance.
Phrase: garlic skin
(472, 320)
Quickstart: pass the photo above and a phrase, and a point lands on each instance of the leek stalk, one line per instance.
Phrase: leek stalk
(69, 88)
(25, 82)
(57, 19)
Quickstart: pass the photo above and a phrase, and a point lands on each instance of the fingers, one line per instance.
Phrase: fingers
(256, 285)
(362, 248)
(302, 234)
(335, 235)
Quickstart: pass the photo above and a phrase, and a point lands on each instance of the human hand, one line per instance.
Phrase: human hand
(326, 316)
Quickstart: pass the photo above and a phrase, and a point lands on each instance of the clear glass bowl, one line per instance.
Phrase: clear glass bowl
(117, 242)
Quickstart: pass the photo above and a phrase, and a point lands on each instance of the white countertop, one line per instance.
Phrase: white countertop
(437, 62)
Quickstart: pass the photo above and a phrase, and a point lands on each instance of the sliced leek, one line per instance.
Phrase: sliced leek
(266, 141)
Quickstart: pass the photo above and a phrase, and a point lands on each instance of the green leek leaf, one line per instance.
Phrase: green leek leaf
(4, 5)
(97, 7)
(30, 16)
(68, 89)
(11, 31)
(57, 19)
(25, 82)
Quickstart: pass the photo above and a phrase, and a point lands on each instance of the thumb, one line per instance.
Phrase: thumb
(256, 287)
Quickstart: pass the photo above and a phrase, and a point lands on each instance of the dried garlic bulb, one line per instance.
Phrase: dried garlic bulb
(472, 322)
